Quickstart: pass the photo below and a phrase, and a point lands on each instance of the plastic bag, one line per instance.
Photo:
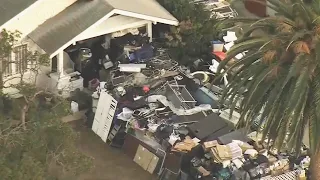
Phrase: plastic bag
(74, 107)
(125, 115)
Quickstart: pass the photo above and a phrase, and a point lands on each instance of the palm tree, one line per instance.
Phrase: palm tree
(281, 75)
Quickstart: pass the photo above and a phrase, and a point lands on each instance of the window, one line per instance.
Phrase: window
(6, 66)
(21, 54)
(17, 61)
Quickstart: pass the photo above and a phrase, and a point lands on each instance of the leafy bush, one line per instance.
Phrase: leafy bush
(34, 143)
(45, 144)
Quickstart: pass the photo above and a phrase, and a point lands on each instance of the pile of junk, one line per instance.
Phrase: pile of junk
(168, 119)
(96, 58)
(220, 9)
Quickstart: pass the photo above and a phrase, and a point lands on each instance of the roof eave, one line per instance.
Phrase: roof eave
(173, 21)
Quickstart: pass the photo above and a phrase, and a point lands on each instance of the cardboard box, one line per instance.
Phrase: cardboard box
(210, 144)
(186, 145)
(246, 146)
(147, 157)
(221, 153)
(153, 164)
(138, 157)
(147, 160)
(143, 157)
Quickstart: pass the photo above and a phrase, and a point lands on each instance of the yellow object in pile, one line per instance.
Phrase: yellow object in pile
(302, 175)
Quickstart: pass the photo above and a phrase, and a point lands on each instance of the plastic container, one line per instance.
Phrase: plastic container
(217, 46)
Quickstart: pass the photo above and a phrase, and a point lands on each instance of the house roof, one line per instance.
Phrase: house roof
(72, 21)
(149, 8)
(75, 19)
(11, 8)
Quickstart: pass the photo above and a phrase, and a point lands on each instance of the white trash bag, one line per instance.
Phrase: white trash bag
(74, 107)
(125, 115)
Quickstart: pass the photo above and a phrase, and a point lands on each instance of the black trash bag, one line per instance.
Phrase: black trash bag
(163, 132)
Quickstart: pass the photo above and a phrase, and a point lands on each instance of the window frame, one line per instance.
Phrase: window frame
(8, 71)
(24, 47)
(14, 66)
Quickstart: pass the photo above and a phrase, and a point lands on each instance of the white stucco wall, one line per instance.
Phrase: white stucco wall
(41, 79)
(37, 15)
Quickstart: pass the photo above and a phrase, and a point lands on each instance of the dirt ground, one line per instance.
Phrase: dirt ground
(109, 163)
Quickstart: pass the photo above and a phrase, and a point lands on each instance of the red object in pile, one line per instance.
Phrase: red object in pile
(146, 89)
(221, 55)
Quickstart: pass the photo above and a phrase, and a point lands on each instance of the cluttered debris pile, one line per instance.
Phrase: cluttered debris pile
(229, 158)
(220, 9)
(165, 118)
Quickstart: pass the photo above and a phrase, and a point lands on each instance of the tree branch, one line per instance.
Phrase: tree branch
(25, 108)
(36, 94)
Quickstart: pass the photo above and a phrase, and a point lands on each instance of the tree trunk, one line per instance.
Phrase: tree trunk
(24, 111)
(315, 165)
(1, 82)
(1, 79)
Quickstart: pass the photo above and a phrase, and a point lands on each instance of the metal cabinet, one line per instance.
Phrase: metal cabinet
(104, 115)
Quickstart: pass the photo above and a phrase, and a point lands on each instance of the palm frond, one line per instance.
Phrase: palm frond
(240, 19)
(240, 48)
(301, 87)
(314, 123)
(274, 94)
(298, 36)
(281, 8)
(280, 73)
(298, 122)
(247, 60)
(303, 12)
(257, 80)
